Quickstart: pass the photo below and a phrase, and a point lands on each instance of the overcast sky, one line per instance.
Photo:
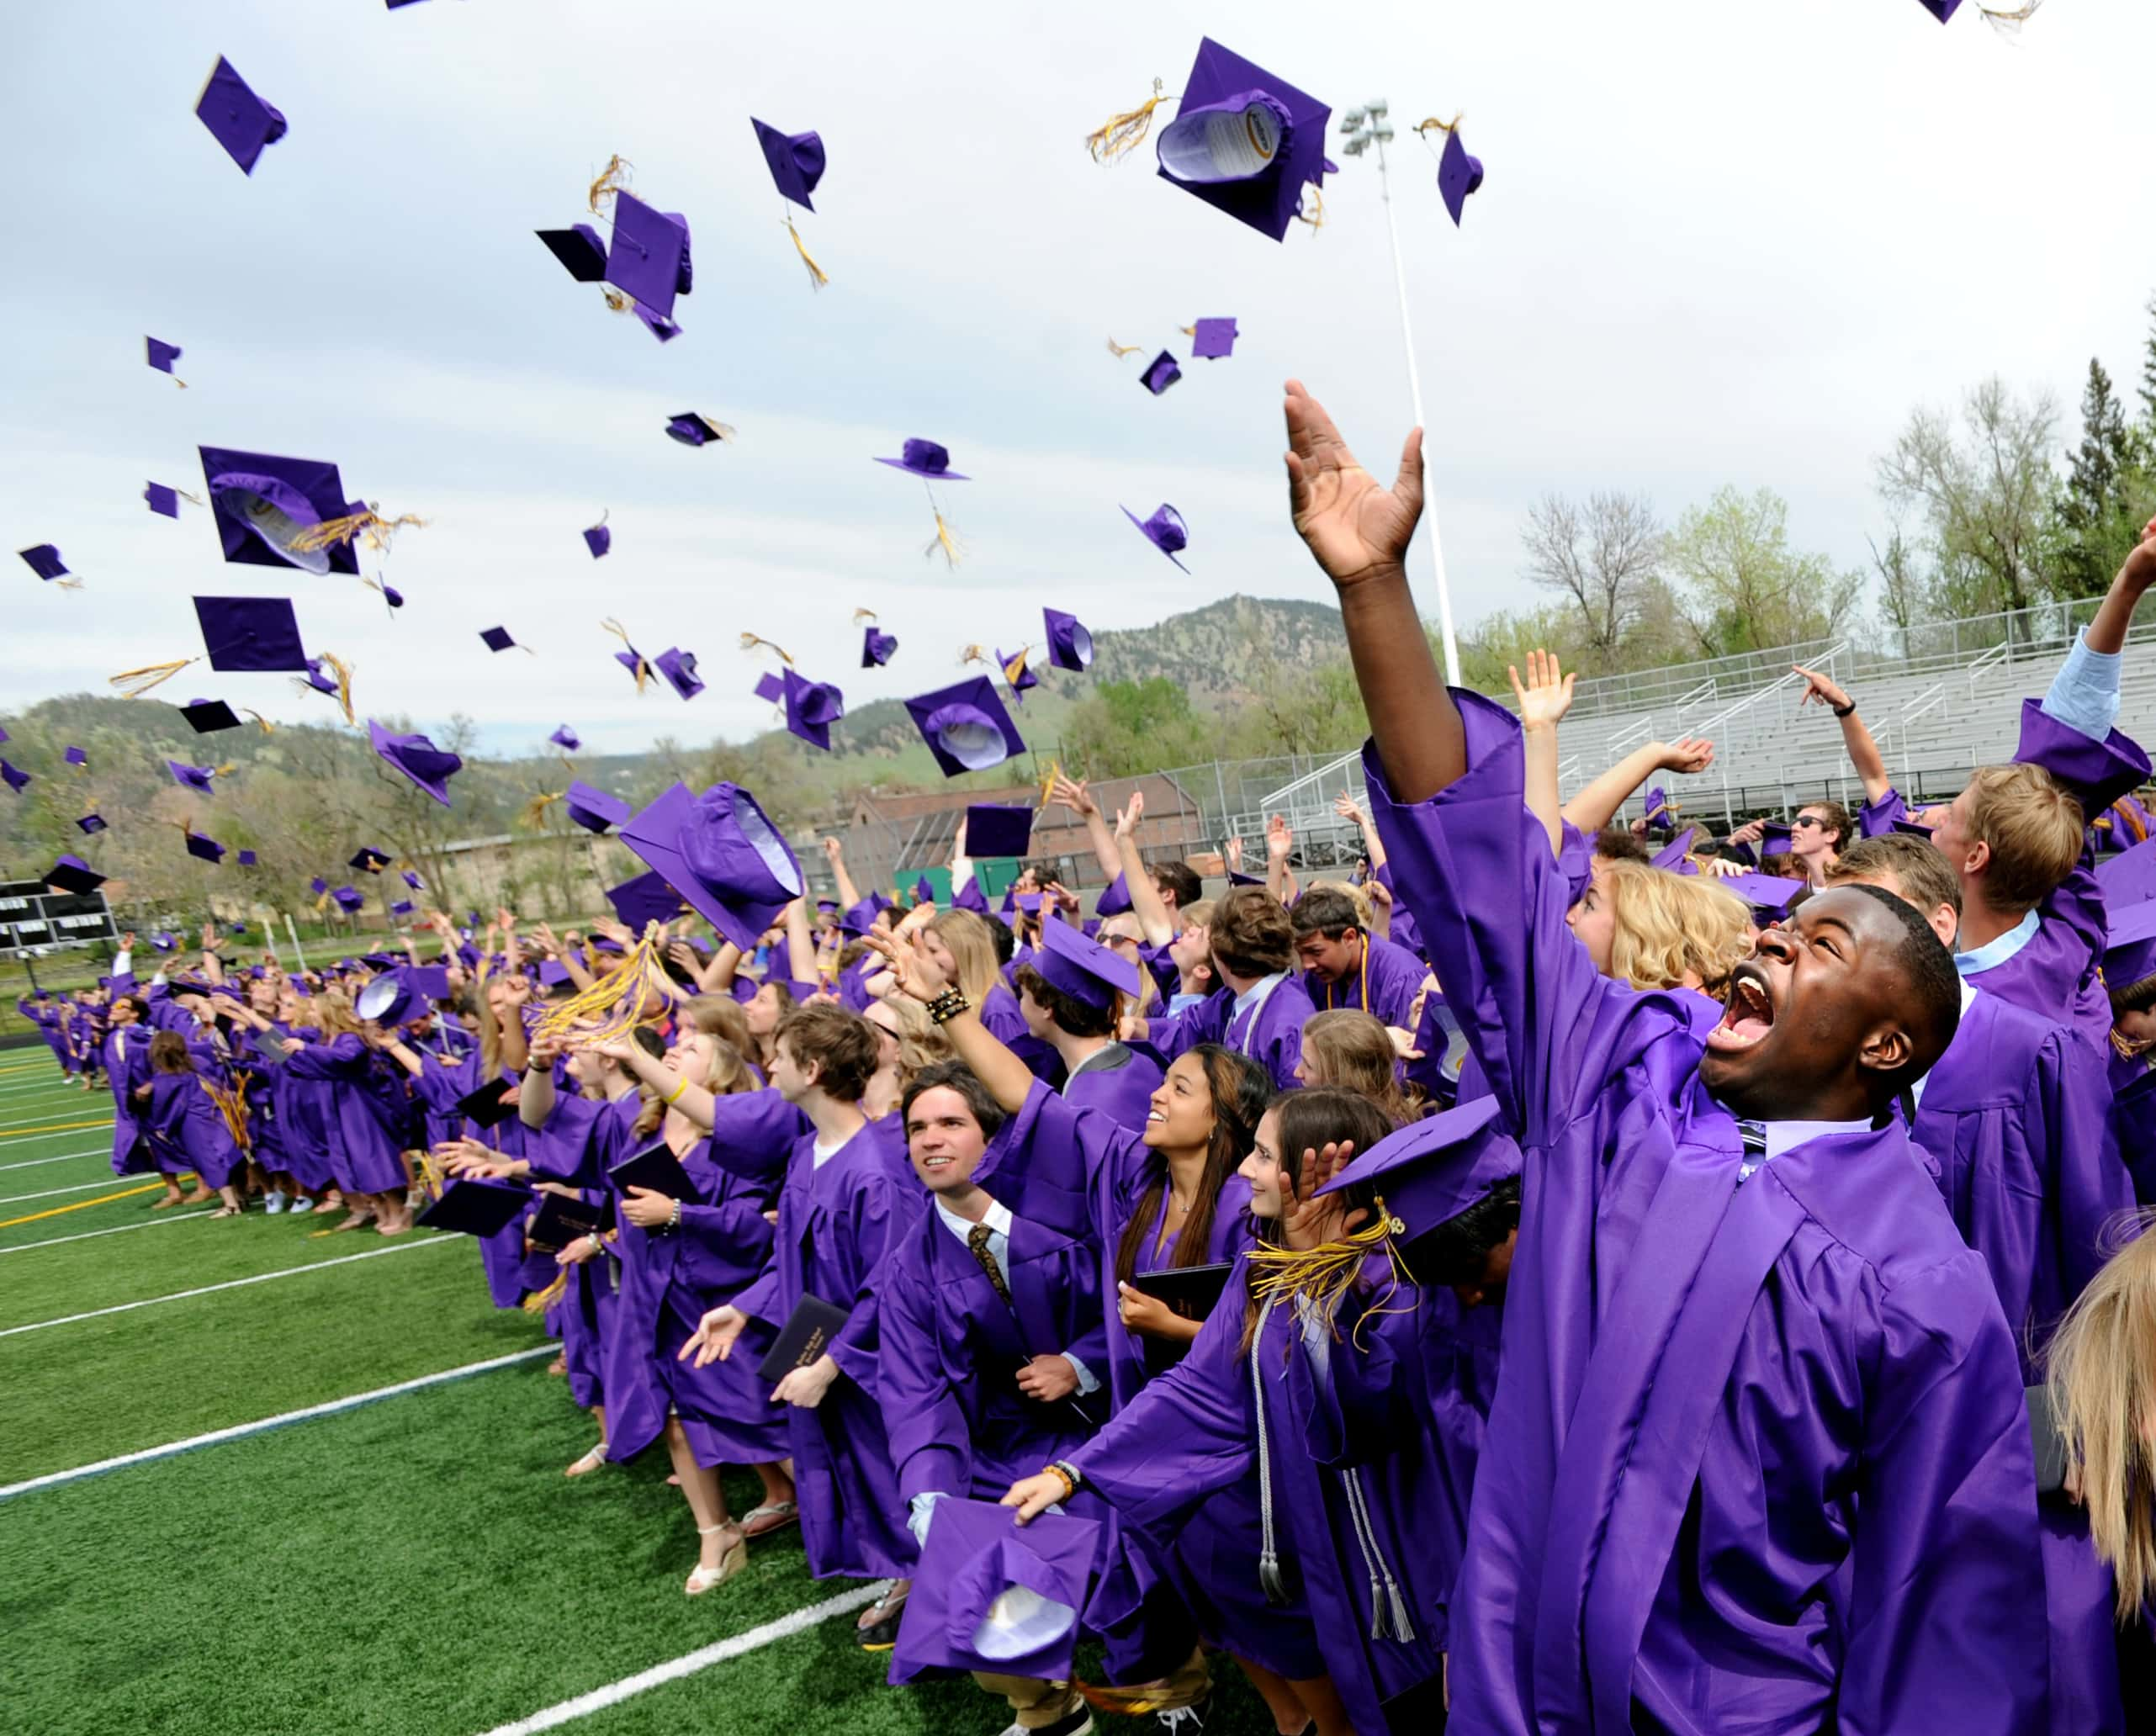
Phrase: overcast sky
(1720, 241)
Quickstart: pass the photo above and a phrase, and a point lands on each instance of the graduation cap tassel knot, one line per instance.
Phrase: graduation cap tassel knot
(1125, 132)
(817, 277)
(134, 683)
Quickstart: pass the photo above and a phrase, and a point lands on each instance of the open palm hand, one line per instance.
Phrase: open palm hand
(1353, 526)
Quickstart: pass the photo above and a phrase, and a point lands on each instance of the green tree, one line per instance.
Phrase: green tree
(1504, 638)
(1741, 587)
(1125, 728)
(2106, 482)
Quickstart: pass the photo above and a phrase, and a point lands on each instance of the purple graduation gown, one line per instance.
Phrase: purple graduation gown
(187, 1131)
(835, 1225)
(582, 1137)
(1076, 1170)
(670, 1278)
(1117, 1081)
(1272, 1036)
(363, 1155)
(440, 1084)
(1366, 1598)
(1758, 1461)
(127, 1068)
(1385, 989)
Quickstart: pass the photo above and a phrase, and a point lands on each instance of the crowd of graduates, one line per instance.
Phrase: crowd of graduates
(1565, 1275)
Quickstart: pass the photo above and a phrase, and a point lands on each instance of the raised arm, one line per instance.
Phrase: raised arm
(835, 853)
(2107, 630)
(1348, 808)
(1544, 700)
(1147, 903)
(1280, 843)
(1856, 739)
(1358, 532)
(676, 1089)
(1072, 793)
(800, 943)
(1591, 809)
(535, 1098)
(919, 978)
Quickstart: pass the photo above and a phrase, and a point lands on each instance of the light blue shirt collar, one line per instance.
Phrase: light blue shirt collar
(1997, 950)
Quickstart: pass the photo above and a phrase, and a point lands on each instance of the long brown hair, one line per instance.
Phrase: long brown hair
(2101, 1380)
(1310, 1120)
(1354, 1050)
(168, 1054)
(1240, 1089)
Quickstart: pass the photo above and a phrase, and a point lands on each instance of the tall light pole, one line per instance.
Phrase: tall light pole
(1365, 127)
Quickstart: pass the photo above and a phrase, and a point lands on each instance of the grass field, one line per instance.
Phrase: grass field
(414, 1564)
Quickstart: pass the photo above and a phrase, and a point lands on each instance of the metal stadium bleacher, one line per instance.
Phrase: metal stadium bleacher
(1941, 698)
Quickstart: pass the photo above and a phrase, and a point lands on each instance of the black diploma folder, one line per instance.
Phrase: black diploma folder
(1189, 1291)
(656, 1167)
(803, 1338)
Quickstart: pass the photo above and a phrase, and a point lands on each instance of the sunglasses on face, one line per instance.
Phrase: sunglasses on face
(1806, 820)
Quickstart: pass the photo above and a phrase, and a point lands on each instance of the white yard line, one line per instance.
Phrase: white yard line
(185, 1217)
(236, 1283)
(217, 1436)
(599, 1699)
(64, 1157)
(92, 1107)
(109, 1181)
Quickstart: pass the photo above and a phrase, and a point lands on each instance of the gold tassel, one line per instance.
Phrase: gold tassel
(368, 525)
(266, 726)
(749, 641)
(971, 653)
(2014, 19)
(635, 990)
(70, 583)
(539, 1301)
(1322, 1277)
(1124, 132)
(1188, 331)
(1048, 783)
(232, 1105)
(1434, 125)
(218, 771)
(946, 540)
(342, 670)
(862, 615)
(1118, 351)
(1015, 668)
(621, 632)
(612, 179)
(134, 683)
(817, 277)
(1315, 216)
(534, 814)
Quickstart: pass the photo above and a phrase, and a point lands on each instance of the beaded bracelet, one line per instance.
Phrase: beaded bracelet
(1071, 1477)
(947, 1006)
(674, 1222)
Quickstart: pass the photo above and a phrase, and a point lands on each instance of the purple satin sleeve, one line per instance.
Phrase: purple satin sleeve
(1875, 819)
(753, 1133)
(1044, 1163)
(1575, 861)
(877, 1226)
(931, 1441)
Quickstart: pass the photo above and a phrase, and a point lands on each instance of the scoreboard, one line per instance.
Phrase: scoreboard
(32, 914)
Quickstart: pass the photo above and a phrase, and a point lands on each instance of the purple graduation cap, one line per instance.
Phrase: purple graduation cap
(192, 777)
(965, 726)
(349, 899)
(598, 538)
(246, 859)
(1070, 646)
(1079, 965)
(204, 849)
(1660, 817)
(594, 810)
(1676, 854)
(925, 459)
(496, 638)
(990, 1596)
(722, 854)
(994, 830)
(1161, 372)
(45, 561)
(163, 941)
(876, 647)
(321, 678)
(1165, 530)
(1459, 175)
(796, 160)
(647, 898)
(649, 260)
(403, 907)
(680, 668)
(1018, 673)
(237, 119)
(812, 707)
(1775, 835)
(1212, 339)
(2129, 949)
(2128, 877)
(1941, 10)
(1431, 1171)
(76, 756)
(1243, 141)
(163, 501)
(90, 825)
(582, 254)
(770, 689)
(428, 768)
(390, 595)
(262, 502)
(206, 717)
(553, 972)
(1768, 894)
(71, 874)
(414, 882)
(250, 634)
(566, 739)
(160, 355)
(318, 886)
(691, 429)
